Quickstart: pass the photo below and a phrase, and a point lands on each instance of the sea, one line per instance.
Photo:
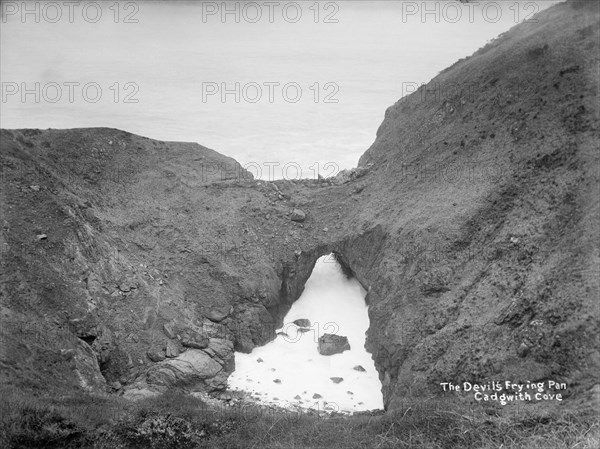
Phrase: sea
(289, 89)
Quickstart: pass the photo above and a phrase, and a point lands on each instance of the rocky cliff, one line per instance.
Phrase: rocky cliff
(137, 265)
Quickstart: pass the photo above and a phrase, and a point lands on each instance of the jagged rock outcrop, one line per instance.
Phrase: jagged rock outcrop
(473, 226)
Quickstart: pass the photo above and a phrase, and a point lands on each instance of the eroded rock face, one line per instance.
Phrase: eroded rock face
(470, 275)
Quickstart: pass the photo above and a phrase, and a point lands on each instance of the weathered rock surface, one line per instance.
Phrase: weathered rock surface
(189, 369)
(330, 344)
(473, 227)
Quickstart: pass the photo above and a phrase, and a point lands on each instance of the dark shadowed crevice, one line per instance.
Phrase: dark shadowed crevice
(89, 339)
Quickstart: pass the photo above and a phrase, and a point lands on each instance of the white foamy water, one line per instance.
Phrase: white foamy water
(335, 305)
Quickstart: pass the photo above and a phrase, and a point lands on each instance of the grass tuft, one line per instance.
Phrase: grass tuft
(175, 420)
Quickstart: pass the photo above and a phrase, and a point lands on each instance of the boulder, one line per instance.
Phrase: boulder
(337, 380)
(298, 215)
(302, 322)
(359, 368)
(330, 344)
(156, 354)
(193, 339)
(191, 368)
(217, 315)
